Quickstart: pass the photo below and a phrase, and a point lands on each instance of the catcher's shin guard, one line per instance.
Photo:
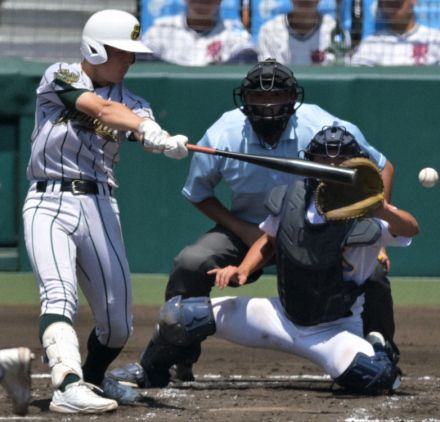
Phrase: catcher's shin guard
(183, 325)
(372, 375)
(160, 356)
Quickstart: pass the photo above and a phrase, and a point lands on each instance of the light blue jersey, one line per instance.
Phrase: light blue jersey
(250, 183)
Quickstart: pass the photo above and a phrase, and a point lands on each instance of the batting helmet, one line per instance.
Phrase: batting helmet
(115, 28)
(334, 142)
(257, 99)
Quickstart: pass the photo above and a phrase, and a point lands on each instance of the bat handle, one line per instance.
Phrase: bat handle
(198, 148)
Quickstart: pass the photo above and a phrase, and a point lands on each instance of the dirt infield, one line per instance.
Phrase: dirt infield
(234, 383)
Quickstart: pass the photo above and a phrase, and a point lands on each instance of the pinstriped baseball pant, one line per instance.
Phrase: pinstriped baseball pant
(76, 240)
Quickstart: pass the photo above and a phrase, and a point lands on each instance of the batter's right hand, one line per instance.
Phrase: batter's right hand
(176, 147)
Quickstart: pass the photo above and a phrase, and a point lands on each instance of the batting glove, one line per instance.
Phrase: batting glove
(176, 147)
(154, 137)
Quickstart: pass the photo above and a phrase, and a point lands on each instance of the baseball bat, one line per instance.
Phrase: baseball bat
(287, 165)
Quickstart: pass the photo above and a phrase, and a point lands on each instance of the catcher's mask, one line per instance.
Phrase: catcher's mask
(333, 142)
(268, 96)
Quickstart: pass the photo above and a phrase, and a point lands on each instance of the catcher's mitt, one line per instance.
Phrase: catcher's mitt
(336, 201)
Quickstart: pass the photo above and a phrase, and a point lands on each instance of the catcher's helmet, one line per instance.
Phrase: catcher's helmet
(334, 142)
(257, 95)
(115, 28)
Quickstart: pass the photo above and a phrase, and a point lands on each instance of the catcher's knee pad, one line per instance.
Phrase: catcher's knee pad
(62, 351)
(370, 375)
(184, 321)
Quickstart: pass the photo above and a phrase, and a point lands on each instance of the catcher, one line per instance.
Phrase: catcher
(325, 251)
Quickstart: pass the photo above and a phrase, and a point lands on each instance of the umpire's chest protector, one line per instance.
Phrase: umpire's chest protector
(309, 258)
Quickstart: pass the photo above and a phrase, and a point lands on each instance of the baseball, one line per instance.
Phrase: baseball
(428, 177)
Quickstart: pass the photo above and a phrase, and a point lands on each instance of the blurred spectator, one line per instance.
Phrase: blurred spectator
(199, 37)
(302, 36)
(403, 42)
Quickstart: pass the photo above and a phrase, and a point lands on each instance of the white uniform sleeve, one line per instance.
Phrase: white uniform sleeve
(270, 225)
(61, 77)
(389, 240)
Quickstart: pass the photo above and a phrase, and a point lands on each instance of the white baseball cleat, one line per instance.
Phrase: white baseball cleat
(15, 376)
(79, 397)
(374, 337)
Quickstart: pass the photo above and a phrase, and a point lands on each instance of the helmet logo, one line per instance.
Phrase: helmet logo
(67, 76)
(136, 32)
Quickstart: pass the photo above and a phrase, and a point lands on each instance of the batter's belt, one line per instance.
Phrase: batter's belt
(77, 187)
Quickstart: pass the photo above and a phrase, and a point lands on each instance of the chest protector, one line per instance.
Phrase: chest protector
(309, 258)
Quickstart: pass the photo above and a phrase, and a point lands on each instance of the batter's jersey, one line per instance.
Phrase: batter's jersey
(173, 41)
(67, 144)
(360, 261)
(249, 183)
(420, 46)
(277, 40)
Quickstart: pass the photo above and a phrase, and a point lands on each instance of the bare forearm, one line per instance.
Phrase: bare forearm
(401, 223)
(260, 252)
(387, 177)
(111, 113)
(258, 255)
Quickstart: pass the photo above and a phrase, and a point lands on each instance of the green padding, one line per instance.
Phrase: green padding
(8, 185)
(70, 96)
(49, 319)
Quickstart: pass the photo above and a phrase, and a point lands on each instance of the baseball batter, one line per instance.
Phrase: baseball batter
(71, 217)
(402, 43)
(321, 268)
(198, 37)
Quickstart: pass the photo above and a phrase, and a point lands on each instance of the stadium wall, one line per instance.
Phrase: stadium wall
(394, 107)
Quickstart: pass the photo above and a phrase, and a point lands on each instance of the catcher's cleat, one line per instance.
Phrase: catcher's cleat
(79, 397)
(379, 344)
(182, 373)
(123, 394)
(131, 374)
(375, 338)
(15, 376)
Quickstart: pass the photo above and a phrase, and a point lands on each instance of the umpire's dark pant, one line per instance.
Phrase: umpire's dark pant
(215, 249)
(378, 312)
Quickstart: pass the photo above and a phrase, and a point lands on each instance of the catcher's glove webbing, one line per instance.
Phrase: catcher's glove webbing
(335, 201)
